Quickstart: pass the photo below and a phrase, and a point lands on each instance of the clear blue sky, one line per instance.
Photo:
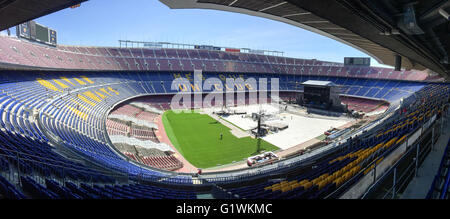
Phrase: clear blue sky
(104, 22)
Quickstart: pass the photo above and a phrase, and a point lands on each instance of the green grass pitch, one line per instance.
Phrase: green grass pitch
(197, 137)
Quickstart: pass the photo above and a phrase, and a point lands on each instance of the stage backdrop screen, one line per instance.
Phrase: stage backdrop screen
(316, 95)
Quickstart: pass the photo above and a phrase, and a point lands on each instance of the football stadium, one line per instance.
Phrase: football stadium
(166, 120)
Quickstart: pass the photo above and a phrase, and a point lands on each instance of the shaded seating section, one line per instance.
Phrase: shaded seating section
(52, 189)
(127, 110)
(61, 191)
(131, 155)
(9, 191)
(38, 157)
(440, 188)
(154, 158)
(132, 191)
(147, 116)
(163, 162)
(118, 127)
(151, 157)
(143, 133)
(36, 190)
(159, 159)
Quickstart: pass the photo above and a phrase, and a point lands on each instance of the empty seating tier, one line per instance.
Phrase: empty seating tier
(23, 53)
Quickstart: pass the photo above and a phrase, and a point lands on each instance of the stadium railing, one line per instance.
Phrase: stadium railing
(404, 169)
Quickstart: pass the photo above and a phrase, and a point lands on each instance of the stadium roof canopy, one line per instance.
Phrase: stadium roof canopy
(14, 12)
(418, 31)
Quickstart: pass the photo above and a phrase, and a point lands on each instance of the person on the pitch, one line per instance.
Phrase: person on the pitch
(221, 136)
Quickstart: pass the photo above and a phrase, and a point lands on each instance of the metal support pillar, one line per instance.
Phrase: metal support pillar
(432, 138)
(417, 160)
(398, 63)
(394, 183)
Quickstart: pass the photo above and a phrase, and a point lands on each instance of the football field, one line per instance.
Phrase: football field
(197, 137)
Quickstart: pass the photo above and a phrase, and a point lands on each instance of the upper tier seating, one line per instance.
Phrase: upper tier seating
(52, 189)
(18, 52)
